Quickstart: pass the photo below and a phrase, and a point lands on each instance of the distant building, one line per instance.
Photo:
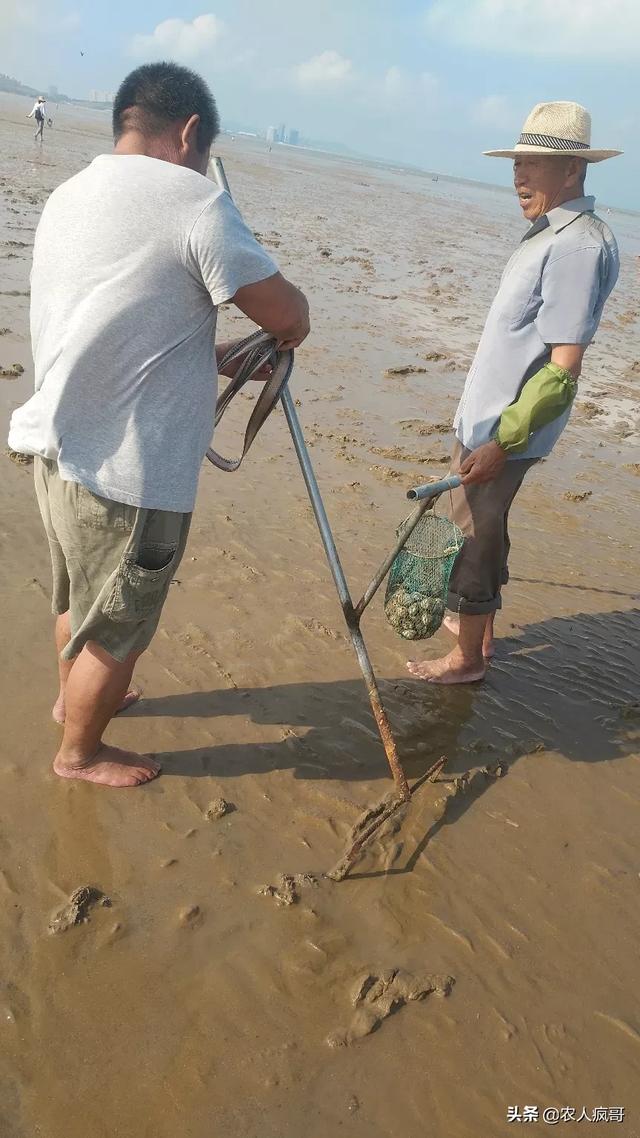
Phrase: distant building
(281, 134)
(101, 96)
(53, 91)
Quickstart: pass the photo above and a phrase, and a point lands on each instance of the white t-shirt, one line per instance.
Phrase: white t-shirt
(131, 258)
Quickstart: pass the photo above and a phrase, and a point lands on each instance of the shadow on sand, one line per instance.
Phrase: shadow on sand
(567, 684)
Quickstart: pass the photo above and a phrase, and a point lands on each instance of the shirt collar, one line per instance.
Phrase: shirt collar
(563, 215)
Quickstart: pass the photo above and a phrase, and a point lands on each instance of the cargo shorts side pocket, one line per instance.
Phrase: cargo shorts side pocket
(141, 583)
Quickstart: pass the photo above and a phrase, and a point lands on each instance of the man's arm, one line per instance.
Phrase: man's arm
(234, 267)
(277, 306)
(569, 356)
(567, 321)
(280, 309)
(543, 398)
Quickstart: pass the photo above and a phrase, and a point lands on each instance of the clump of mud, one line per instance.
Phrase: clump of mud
(218, 808)
(77, 909)
(420, 427)
(575, 496)
(406, 369)
(190, 917)
(590, 410)
(375, 997)
(18, 458)
(287, 891)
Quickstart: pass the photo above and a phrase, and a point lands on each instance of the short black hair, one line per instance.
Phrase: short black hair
(157, 94)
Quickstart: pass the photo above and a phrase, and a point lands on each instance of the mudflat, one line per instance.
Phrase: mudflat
(171, 964)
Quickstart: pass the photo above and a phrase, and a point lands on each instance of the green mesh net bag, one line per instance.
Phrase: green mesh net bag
(414, 602)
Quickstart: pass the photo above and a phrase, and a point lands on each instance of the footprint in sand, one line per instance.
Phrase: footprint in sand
(377, 997)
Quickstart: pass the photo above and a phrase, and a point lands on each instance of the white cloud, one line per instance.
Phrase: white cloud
(327, 70)
(21, 18)
(401, 88)
(179, 39)
(17, 14)
(551, 28)
(495, 111)
(394, 90)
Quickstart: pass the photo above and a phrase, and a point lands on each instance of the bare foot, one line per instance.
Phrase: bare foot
(452, 625)
(58, 712)
(449, 670)
(111, 767)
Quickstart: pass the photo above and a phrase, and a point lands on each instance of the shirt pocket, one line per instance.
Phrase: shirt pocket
(519, 300)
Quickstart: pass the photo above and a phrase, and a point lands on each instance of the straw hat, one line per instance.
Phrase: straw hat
(556, 128)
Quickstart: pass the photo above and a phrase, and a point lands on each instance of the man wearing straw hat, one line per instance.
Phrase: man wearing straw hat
(520, 388)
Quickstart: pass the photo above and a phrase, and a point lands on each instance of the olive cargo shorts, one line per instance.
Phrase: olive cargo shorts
(482, 512)
(112, 563)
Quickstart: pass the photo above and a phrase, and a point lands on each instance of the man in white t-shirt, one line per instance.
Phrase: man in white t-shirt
(132, 256)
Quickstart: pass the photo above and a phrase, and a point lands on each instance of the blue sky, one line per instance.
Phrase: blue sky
(432, 83)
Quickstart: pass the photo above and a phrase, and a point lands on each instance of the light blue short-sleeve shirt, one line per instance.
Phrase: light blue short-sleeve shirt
(552, 291)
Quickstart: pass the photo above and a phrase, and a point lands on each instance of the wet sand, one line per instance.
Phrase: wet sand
(189, 998)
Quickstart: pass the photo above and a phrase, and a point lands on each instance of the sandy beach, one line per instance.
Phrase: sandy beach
(190, 1002)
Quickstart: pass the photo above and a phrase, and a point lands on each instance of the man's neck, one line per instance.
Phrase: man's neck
(133, 142)
(162, 147)
(571, 195)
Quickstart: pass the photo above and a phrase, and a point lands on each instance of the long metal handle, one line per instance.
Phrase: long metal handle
(318, 505)
(220, 176)
(433, 489)
(360, 648)
(350, 615)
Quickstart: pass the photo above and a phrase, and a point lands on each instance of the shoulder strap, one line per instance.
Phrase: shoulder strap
(261, 348)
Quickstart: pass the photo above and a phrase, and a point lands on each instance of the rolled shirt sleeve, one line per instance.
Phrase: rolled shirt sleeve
(571, 297)
(224, 252)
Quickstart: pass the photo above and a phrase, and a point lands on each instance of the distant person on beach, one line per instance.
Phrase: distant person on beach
(39, 113)
(519, 391)
(132, 257)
